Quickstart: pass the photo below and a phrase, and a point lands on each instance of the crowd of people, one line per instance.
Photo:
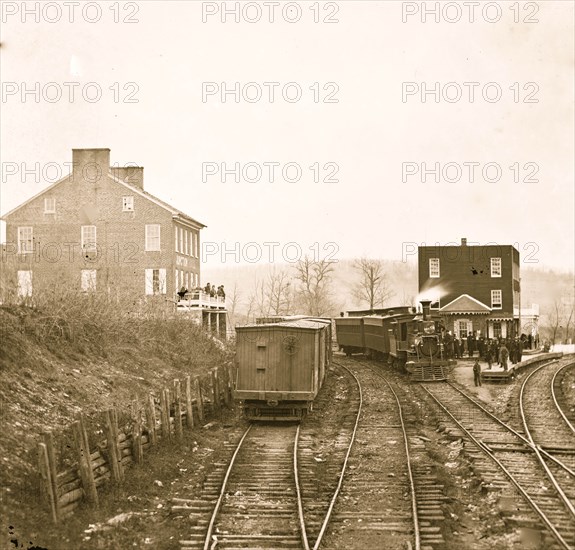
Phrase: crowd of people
(209, 289)
(492, 350)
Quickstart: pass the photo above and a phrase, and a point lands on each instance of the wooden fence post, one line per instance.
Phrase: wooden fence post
(165, 412)
(178, 409)
(151, 419)
(215, 389)
(47, 485)
(49, 442)
(114, 452)
(189, 408)
(199, 401)
(85, 462)
(226, 385)
(137, 449)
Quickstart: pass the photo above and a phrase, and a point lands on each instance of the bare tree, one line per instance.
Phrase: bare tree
(233, 302)
(314, 288)
(372, 287)
(279, 292)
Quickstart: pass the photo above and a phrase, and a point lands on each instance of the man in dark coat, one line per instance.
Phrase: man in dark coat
(477, 373)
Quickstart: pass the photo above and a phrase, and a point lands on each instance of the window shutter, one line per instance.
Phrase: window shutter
(149, 281)
(162, 281)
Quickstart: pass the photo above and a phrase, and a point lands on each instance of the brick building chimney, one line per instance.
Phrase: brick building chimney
(90, 165)
(463, 241)
(132, 175)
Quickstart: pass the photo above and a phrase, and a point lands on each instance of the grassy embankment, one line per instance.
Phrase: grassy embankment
(66, 354)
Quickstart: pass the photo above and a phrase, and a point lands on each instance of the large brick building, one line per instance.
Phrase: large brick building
(476, 289)
(99, 230)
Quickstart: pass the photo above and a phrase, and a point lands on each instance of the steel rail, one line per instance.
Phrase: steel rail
(567, 421)
(408, 456)
(551, 477)
(514, 432)
(509, 475)
(344, 467)
(303, 532)
(222, 491)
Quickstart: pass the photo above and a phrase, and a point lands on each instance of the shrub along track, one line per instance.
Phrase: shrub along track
(255, 500)
(507, 460)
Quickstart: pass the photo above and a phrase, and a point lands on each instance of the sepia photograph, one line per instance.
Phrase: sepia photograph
(287, 275)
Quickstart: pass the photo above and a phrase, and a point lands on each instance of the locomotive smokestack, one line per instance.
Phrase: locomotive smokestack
(425, 304)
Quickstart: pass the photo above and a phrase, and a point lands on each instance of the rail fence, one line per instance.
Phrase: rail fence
(161, 417)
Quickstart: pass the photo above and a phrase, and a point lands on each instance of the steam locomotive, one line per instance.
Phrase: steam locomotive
(410, 341)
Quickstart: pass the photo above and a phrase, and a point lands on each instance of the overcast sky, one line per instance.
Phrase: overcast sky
(370, 146)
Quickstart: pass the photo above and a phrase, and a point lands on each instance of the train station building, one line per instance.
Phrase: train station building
(98, 231)
(476, 289)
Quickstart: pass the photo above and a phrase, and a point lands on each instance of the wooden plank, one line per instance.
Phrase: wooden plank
(113, 446)
(84, 463)
(46, 481)
(226, 385)
(189, 408)
(49, 442)
(215, 388)
(151, 419)
(178, 409)
(199, 399)
(166, 419)
(137, 450)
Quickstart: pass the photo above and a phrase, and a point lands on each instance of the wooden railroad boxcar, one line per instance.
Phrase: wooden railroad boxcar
(349, 334)
(280, 367)
(375, 335)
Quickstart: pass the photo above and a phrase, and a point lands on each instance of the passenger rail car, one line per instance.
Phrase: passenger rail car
(409, 341)
(280, 367)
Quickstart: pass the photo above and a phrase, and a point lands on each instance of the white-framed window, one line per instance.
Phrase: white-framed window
(88, 280)
(176, 238)
(50, 206)
(25, 240)
(155, 281)
(152, 237)
(186, 243)
(88, 241)
(496, 267)
(128, 204)
(196, 240)
(24, 284)
(496, 299)
(463, 328)
(178, 285)
(434, 268)
(497, 332)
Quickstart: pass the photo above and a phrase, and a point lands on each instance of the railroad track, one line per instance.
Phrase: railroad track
(376, 507)
(509, 461)
(255, 499)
